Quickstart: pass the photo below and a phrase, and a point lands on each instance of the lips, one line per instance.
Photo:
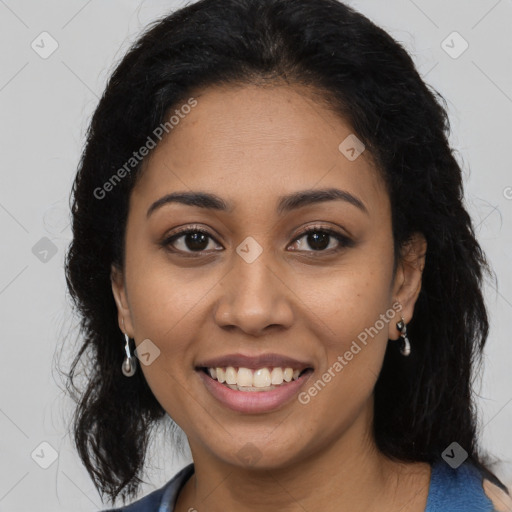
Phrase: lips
(254, 401)
(226, 378)
(269, 360)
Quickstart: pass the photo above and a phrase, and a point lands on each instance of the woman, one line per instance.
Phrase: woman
(268, 211)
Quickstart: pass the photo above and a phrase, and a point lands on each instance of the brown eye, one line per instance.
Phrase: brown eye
(195, 241)
(189, 240)
(320, 239)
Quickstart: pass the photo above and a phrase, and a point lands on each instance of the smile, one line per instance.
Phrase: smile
(246, 379)
(253, 390)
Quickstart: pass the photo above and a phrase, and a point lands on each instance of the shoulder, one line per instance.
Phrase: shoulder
(466, 487)
(500, 499)
(162, 499)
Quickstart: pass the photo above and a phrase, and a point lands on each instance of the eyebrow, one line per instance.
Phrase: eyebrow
(285, 204)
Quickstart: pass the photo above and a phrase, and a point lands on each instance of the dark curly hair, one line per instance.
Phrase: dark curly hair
(369, 79)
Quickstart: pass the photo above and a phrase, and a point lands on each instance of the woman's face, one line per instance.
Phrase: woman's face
(255, 284)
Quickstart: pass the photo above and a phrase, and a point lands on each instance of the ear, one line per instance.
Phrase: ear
(119, 292)
(407, 283)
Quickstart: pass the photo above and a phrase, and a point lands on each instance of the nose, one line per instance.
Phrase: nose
(255, 298)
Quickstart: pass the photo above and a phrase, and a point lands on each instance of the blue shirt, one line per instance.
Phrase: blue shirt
(450, 490)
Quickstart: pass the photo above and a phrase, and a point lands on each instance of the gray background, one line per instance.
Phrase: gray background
(46, 104)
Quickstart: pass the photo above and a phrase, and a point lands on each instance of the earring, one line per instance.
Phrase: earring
(405, 346)
(130, 363)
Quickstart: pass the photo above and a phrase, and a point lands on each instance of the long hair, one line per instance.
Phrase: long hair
(422, 403)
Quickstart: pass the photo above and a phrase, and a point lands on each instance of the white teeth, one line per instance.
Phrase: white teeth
(221, 375)
(261, 378)
(276, 376)
(231, 375)
(247, 378)
(244, 377)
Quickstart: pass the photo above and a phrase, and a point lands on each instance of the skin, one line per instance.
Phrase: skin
(250, 145)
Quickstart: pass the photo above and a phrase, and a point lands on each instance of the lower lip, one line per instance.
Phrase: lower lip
(253, 401)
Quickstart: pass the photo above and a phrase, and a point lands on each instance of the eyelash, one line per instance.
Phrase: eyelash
(343, 240)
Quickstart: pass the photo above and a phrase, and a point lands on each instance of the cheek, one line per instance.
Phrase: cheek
(167, 308)
(164, 310)
(354, 341)
(348, 298)
(344, 310)
(165, 299)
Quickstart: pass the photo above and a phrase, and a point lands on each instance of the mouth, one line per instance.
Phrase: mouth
(260, 379)
(256, 390)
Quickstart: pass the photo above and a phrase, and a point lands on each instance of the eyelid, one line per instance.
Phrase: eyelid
(184, 230)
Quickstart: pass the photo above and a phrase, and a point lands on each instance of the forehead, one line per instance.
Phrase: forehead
(244, 141)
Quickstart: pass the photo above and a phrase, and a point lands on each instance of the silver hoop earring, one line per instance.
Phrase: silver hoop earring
(129, 365)
(405, 346)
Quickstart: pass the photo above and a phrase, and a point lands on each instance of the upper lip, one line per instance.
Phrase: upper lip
(254, 362)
